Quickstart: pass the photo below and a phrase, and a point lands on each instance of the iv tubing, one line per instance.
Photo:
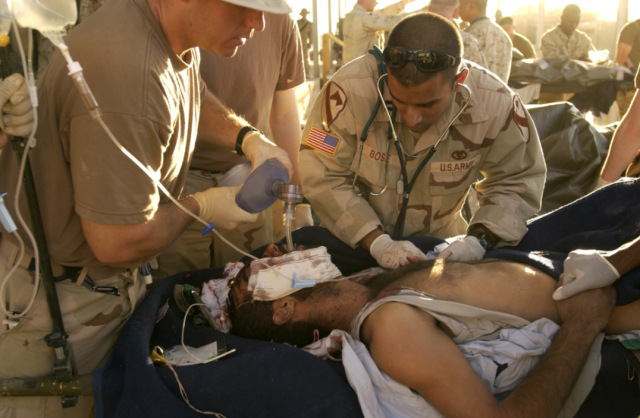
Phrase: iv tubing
(36, 284)
(96, 114)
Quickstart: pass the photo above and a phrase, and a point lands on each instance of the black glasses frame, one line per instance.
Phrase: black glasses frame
(425, 60)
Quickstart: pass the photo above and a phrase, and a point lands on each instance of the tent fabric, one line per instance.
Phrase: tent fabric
(264, 379)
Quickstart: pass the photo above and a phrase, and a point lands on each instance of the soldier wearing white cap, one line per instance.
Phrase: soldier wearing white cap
(103, 217)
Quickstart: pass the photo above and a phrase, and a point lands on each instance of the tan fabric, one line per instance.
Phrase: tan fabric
(630, 35)
(92, 320)
(270, 61)
(524, 45)
(362, 29)
(472, 51)
(150, 99)
(624, 99)
(486, 138)
(192, 251)
(50, 408)
(304, 26)
(495, 44)
(637, 81)
(556, 44)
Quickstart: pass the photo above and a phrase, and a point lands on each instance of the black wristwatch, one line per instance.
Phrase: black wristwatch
(485, 240)
(240, 138)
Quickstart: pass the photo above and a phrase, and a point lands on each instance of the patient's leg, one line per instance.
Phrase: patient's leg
(624, 319)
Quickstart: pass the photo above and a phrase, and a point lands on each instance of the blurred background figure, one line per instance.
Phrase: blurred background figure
(304, 26)
(363, 26)
(565, 40)
(450, 9)
(494, 42)
(520, 43)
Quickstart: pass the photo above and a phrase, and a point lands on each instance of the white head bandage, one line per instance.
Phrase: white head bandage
(276, 277)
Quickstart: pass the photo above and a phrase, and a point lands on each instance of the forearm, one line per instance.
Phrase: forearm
(118, 244)
(625, 258)
(545, 391)
(284, 120)
(218, 125)
(369, 238)
(625, 143)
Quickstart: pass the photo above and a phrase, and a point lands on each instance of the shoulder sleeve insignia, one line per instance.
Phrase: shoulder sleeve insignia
(333, 103)
(322, 141)
(520, 117)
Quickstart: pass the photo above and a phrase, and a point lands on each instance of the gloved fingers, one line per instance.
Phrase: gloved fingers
(17, 120)
(22, 130)
(18, 108)
(10, 86)
(21, 95)
(416, 258)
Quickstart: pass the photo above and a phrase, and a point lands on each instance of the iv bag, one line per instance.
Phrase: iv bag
(44, 15)
(5, 22)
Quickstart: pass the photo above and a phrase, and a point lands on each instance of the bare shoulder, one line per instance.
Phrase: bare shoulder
(385, 321)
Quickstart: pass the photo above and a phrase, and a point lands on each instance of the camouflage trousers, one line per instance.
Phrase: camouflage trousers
(92, 320)
(192, 251)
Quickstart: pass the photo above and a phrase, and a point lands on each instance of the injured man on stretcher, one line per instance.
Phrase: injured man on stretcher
(442, 338)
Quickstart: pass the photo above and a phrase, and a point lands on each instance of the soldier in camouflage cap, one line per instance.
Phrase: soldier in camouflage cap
(494, 136)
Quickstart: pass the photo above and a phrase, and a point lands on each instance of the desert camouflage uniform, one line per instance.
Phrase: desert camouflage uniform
(92, 320)
(495, 136)
(495, 44)
(556, 44)
(472, 51)
(361, 29)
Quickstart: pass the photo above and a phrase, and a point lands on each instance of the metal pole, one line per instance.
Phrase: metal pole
(329, 13)
(48, 386)
(63, 364)
(540, 31)
(314, 41)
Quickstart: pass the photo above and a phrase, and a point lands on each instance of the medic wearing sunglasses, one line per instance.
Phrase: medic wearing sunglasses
(372, 182)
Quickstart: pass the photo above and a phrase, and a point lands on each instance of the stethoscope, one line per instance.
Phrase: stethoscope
(403, 186)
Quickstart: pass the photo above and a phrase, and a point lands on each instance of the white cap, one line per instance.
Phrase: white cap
(271, 6)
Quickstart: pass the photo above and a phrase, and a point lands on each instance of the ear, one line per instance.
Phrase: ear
(456, 13)
(461, 78)
(283, 310)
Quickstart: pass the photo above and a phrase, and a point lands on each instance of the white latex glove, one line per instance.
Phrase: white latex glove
(465, 249)
(17, 111)
(393, 254)
(302, 216)
(218, 205)
(257, 148)
(584, 270)
(601, 183)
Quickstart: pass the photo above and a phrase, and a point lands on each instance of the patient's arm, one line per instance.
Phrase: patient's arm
(407, 344)
(625, 258)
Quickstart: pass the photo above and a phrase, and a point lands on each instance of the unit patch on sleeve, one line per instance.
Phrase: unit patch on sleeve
(322, 141)
(333, 103)
(520, 117)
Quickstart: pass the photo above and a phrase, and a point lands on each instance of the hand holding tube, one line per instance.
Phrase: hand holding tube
(259, 149)
(466, 249)
(584, 270)
(17, 111)
(393, 254)
(218, 205)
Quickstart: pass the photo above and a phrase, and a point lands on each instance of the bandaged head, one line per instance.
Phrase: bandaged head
(277, 277)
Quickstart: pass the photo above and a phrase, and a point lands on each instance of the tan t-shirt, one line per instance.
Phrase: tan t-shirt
(270, 61)
(630, 35)
(150, 99)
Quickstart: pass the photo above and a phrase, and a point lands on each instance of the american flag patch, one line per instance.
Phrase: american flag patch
(322, 141)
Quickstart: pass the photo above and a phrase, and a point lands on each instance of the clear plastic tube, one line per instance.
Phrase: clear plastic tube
(36, 284)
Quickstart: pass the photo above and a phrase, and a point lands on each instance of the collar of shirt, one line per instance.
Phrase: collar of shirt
(478, 19)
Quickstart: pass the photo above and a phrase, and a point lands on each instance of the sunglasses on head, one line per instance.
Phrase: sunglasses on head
(427, 61)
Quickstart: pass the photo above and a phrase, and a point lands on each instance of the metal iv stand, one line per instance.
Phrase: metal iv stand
(64, 382)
